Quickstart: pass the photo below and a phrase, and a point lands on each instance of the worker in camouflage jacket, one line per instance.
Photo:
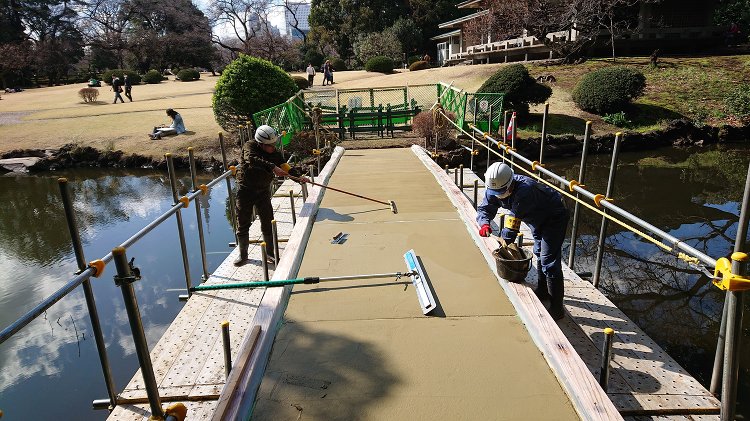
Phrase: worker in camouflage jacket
(543, 210)
(259, 163)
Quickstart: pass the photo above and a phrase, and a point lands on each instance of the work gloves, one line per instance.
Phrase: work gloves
(485, 231)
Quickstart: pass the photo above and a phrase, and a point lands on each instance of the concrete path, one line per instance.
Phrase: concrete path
(363, 350)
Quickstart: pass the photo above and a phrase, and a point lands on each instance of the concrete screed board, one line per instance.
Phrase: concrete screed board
(362, 350)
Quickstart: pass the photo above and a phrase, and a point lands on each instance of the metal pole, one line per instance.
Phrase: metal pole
(476, 193)
(88, 292)
(505, 128)
(605, 221)
(227, 348)
(264, 261)
(514, 122)
(609, 334)
(180, 228)
(199, 219)
(544, 132)
(447, 169)
(715, 387)
(304, 192)
(312, 173)
(461, 176)
(232, 214)
(291, 206)
(489, 123)
(275, 236)
(576, 209)
(473, 139)
(455, 176)
(124, 279)
(734, 305)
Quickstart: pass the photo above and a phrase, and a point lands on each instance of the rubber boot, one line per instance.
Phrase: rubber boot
(557, 288)
(541, 290)
(269, 249)
(242, 244)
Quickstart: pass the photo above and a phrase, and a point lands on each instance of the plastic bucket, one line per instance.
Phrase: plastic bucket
(512, 270)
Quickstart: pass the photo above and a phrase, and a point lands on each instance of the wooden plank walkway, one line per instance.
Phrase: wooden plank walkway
(188, 360)
(644, 380)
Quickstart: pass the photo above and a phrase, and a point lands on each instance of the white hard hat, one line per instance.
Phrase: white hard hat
(266, 135)
(498, 178)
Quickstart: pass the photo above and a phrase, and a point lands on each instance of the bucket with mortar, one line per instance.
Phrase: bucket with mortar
(514, 266)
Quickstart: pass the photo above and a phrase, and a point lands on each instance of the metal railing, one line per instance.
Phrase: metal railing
(127, 274)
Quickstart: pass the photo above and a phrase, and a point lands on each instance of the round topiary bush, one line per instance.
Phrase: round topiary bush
(379, 64)
(134, 77)
(248, 85)
(338, 64)
(519, 87)
(188, 75)
(153, 77)
(301, 82)
(89, 94)
(419, 65)
(608, 90)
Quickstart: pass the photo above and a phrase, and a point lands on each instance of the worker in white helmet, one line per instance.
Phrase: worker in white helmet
(259, 162)
(543, 210)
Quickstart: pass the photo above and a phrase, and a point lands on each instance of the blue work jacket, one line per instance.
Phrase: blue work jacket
(536, 204)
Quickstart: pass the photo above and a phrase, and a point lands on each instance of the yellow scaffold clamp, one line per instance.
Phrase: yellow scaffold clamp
(98, 266)
(485, 135)
(185, 201)
(536, 164)
(475, 152)
(234, 170)
(573, 183)
(204, 189)
(316, 151)
(599, 197)
(725, 280)
(177, 410)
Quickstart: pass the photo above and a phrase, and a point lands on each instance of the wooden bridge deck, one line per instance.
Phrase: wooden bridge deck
(188, 360)
(644, 380)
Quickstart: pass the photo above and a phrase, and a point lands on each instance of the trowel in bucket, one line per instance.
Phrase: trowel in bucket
(415, 272)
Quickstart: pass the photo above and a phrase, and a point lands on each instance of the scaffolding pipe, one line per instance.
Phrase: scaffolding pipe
(609, 334)
(715, 387)
(461, 176)
(199, 219)
(275, 237)
(180, 228)
(544, 132)
(577, 207)
(476, 193)
(124, 279)
(473, 140)
(264, 260)
(676, 242)
(733, 340)
(605, 220)
(232, 211)
(291, 206)
(88, 292)
(505, 129)
(227, 344)
(489, 133)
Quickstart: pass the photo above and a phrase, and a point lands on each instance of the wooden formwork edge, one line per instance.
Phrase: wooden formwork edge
(588, 398)
(237, 402)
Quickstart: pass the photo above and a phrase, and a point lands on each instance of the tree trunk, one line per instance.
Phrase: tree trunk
(612, 34)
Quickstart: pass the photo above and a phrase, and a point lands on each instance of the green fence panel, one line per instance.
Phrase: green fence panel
(478, 107)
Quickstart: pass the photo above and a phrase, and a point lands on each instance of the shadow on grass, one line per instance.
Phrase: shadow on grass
(556, 124)
(648, 115)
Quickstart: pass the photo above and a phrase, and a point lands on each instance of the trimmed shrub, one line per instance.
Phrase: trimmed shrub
(379, 64)
(738, 101)
(89, 94)
(153, 77)
(134, 77)
(248, 85)
(301, 82)
(419, 65)
(519, 87)
(338, 64)
(608, 90)
(188, 75)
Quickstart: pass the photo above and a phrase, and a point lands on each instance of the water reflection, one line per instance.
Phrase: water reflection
(674, 304)
(56, 353)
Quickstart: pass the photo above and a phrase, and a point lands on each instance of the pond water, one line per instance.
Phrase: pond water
(55, 356)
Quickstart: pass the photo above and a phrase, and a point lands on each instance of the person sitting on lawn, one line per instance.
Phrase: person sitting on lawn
(177, 126)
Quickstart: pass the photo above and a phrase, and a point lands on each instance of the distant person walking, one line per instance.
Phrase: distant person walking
(117, 88)
(324, 69)
(310, 74)
(128, 88)
(329, 72)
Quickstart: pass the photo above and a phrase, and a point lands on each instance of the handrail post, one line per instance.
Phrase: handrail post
(473, 138)
(505, 128)
(609, 334)
(514, 123)
(291, 206)
(544, 134)
(124, 279)
(227, 348)
(577, 208)
(605, 220)
(264, 260)
(88, 292)
(232, 210)
(489, 130)
(461, 177)
(476, 193)
(180, 228)
(199, 219)
(275, 237)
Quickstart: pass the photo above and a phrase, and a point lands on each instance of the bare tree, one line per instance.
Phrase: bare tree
(291, 9)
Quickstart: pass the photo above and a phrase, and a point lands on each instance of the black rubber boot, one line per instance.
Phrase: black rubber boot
(557, 288)
(242, 245)
(541, 290)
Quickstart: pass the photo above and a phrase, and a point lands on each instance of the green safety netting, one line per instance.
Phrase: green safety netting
(485, 110)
